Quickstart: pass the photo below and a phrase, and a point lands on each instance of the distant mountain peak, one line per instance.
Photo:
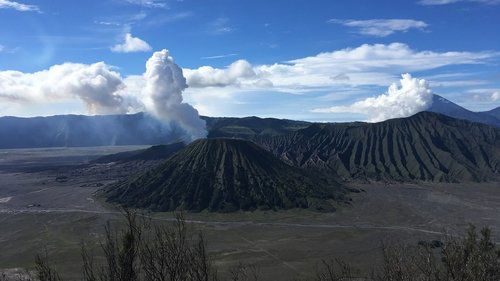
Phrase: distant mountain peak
(447, 107)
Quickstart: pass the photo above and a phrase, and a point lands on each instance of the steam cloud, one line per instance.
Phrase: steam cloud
(163, 94)
(103, 91)
(412, 97)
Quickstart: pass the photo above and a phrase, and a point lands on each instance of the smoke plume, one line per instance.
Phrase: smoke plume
(163, 94)
(413, 96)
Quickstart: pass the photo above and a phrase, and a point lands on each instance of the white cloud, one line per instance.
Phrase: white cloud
(220, 26)
(445, 2)
(495, 96)
(376, 64)
(7, 4)
(207, 76)
(485, 94)
(413, 96)
(131, 44)
(2, 48)
(158, 91)
(219, 56)
(95, 85)
(148, 3)
(341, 74)
(381, 27)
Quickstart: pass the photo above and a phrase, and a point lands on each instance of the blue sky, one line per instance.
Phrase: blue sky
(279, 72)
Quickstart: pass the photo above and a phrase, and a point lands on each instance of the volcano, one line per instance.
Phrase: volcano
(225, 175)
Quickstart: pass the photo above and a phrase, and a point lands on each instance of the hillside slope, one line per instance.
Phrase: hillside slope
(494, 112)
(156, 152)
(250, 127)
(125, 129)
(226, 175)
(426, 146)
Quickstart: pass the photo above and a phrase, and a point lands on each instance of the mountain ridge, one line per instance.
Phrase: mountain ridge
(449, 108)
(426, 146)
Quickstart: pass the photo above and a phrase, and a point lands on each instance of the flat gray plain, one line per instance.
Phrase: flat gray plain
(47, 203)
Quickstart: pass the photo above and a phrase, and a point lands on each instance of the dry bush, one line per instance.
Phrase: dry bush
(473, 258)
(244, 272)
(150, 252)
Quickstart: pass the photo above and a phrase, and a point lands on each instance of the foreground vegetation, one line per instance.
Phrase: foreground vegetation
(148, 251)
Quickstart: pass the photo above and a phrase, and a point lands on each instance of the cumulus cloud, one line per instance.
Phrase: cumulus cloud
(381, 27)
(6, 4)
(131, 44)
(95, 84)
(163, 94)
(207, 76)
(414, 95)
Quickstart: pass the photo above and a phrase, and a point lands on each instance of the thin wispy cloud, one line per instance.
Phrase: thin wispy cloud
(380, 27)
(487, 94)
(7, 4)
(220, 26)
(148, 3)
(167, 18)
(219, 56)
(108, 23)
(131, 44)
(445, 2)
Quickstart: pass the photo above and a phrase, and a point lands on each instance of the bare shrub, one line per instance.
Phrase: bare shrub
(150, 252)
(335, 270)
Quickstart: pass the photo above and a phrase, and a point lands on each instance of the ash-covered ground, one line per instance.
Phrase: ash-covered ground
(48, 202)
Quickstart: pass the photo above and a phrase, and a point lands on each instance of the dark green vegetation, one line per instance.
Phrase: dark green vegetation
(143, 250)
(156, 152)
(427, 146)
(226, 175)
(251, 127)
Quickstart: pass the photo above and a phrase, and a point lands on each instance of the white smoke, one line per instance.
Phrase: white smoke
(413, 96)
(95, 84)
(163, 94)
